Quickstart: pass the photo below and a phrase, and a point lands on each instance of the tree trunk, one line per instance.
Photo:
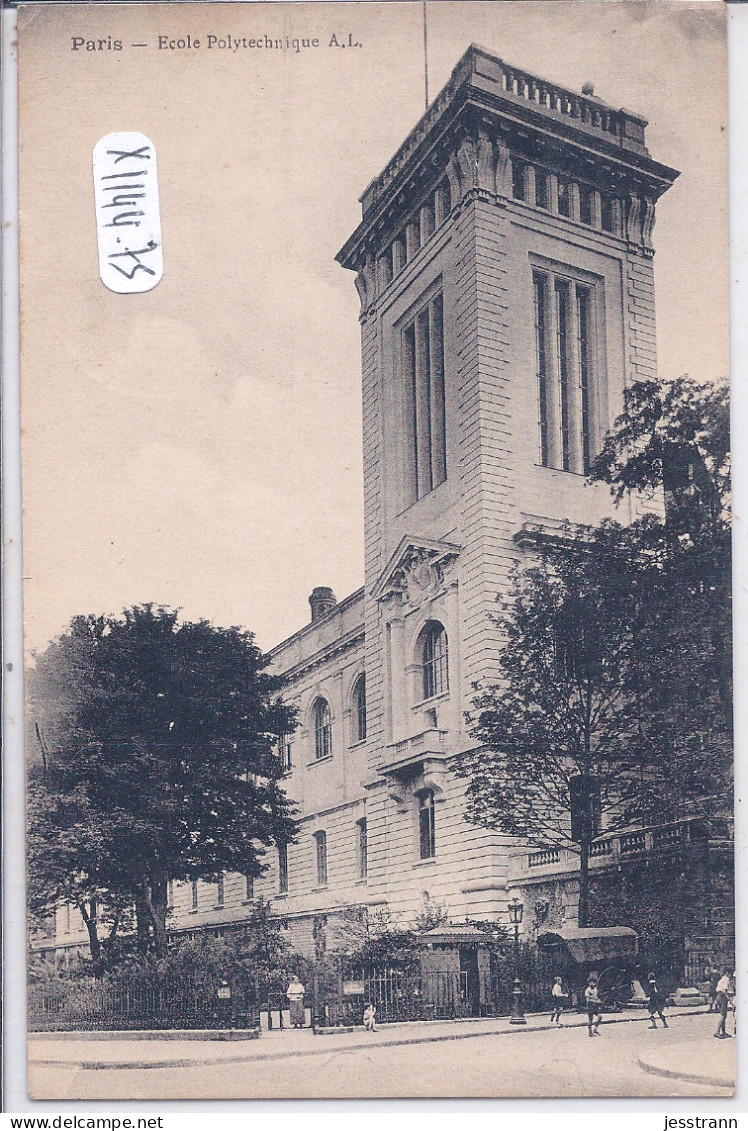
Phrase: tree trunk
(143, 919)
(156, 902)
(90, 919)
(583, 912)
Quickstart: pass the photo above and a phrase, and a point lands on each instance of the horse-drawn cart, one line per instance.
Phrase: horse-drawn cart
(610, 953)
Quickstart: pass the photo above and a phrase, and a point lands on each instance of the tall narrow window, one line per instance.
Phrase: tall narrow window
(363, 849)
(170, 893)
(220, 890)
(426, 825)
(566, 358)
(249, 887)
(322, 729)
(320, 840)
(435, 661)
(583, 354)
(359, 709)
(562, 367)
(425, 415)
(194, 895)
(285, 752)
(541, 358)
(282, 869)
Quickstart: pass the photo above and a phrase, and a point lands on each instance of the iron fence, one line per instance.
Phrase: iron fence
(130, 1004)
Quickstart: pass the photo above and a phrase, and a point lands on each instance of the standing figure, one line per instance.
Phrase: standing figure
(713, 976)
(370, 1017)
(656, 1003)
(722, 1002)
(558, 997)
(295, 995)
(594, 1006)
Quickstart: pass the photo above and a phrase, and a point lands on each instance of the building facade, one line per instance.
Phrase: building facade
(504, 264)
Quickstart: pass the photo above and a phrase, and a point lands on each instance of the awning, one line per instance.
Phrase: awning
(456, 934)
(593, 944)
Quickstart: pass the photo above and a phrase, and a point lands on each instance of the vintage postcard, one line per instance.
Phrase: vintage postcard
(376, 496)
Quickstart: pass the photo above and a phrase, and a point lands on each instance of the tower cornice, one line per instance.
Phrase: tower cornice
(488, 110)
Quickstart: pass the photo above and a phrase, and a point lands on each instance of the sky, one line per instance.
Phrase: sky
(199, 445)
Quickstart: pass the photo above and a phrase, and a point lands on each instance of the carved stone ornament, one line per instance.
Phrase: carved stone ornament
(415, 574)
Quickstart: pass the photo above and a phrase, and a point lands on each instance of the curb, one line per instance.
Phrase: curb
(285, 1054)
(147, 1035)
(691, 1077)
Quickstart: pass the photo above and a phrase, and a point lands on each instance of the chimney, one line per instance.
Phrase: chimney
(322, 601)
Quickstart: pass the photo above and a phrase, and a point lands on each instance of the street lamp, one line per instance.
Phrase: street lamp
(516, 911)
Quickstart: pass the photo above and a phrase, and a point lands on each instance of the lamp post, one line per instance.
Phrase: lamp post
(516, 911)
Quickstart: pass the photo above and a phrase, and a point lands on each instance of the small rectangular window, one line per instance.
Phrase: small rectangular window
(541, 189)
(607, 214)
(249, 887)
(585, 204)
(564, 197)
(220, 890)
(519, 191)
(194, 895)
(282, 869)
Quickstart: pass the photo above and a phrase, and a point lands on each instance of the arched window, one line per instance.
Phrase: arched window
(322, 729)
(358, 722)
(434, 659)
(426, 825)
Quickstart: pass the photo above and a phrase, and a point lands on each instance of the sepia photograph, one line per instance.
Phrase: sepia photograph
(375, 422)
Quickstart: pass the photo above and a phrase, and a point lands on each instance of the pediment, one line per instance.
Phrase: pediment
(415, 571)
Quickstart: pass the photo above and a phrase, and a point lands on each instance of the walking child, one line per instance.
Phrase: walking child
(558, 998)
(655, 1004)
(594, 1006)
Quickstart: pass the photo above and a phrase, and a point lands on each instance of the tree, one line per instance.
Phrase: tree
(159, 761)
(672, 443)
(615, 698)
(560, 747)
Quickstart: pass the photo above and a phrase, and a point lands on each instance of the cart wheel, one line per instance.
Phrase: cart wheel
(614, 987)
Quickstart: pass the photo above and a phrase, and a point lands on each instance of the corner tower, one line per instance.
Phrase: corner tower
(504, 268)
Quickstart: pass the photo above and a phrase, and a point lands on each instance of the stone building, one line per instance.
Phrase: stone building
(504, 264)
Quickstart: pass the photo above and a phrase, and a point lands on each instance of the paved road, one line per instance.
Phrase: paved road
(547, 1063)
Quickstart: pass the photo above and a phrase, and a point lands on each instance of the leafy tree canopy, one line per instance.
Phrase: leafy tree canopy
(615, 694)
(159, 759)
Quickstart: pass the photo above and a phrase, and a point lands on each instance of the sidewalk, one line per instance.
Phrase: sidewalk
(94, 1052)
(706, 1062)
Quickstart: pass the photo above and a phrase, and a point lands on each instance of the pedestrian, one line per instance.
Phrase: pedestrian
(295, 995)
(722, 1003)
(594, 1006)
(558, 998)
(713, 976)
(656, 1003)
(370, 1017)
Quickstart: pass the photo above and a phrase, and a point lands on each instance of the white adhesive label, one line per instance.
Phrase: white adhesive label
(128, 220)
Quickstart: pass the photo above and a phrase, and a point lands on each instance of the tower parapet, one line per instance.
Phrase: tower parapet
(501, 133)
